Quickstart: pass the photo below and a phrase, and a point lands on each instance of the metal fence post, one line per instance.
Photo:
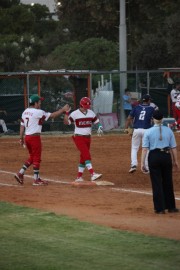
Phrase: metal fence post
(148, 82)
(28, 88)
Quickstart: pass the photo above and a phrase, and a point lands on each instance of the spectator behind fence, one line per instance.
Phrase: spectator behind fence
(3, 113)
(127, 102)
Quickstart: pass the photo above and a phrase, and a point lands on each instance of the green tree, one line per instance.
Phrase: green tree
(172, 36)
(17, 51)
(90, 18)
(161, 48)
(41, 12)
(152, 52)
(16, 20)
(28, 27)
(80, 38)
(9, 53)
(8, 3)
(148, 33)
(93, 53)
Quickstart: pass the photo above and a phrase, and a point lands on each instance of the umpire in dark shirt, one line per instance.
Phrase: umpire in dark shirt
(161, 143)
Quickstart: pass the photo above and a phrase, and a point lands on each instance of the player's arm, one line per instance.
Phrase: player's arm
(128, 126)
(66, 118)
(173, 153)
(99, 126)
(128, 121)
(143, 157)
(66, 108)
(69, 118)
(129, 99)
(145, 150)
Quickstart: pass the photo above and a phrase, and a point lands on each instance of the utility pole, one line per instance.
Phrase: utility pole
(122, 57)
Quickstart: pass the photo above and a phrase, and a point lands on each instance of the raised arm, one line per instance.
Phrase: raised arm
(60, 111)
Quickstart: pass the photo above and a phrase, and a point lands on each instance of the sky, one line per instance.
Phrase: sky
(49, 3)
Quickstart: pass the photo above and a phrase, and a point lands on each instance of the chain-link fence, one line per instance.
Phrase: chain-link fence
(61, 87)
(156, 83)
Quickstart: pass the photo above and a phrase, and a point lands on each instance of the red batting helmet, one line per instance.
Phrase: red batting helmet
(85, 103)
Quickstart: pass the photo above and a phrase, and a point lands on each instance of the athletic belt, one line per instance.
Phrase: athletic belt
(35, 134)
(165, 149)
(88, 136)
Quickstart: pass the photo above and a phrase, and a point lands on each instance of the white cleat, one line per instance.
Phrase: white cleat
(132, 169)
(96, 176)
(79, 179)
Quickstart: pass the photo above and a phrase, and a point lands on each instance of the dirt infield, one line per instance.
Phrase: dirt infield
(126, 206)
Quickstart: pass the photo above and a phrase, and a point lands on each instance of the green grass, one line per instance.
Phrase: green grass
(31, 239)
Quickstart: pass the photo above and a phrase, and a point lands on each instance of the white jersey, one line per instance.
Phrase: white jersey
(32, 120)
(174, 94)
(83, 122)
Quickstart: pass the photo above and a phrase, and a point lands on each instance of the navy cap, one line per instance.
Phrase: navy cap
(146, 97)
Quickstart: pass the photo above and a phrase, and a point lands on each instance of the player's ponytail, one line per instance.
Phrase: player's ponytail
(158, 117)
(159, 123)
(160, 129)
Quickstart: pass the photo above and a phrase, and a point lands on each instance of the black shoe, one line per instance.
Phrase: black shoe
(159, 212)
(173, 210)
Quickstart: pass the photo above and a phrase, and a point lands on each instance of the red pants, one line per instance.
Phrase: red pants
(34, 147)
(83, 145)
(174, 113)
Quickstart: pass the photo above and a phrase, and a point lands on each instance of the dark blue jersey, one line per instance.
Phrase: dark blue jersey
(142, 115)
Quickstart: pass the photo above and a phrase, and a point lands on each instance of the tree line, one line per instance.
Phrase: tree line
(86, 35)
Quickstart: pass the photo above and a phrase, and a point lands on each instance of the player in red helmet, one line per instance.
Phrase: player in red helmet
(83, 119)
(85, 103)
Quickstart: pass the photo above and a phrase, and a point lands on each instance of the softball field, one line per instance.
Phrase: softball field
(126, 205)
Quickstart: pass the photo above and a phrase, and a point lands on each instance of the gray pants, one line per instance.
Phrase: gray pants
(3, 124)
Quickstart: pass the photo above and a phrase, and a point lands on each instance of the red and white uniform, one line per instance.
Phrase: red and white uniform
(174, 94)
(82, 133)
(83, 122)
(32, 120)
(177, 110)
